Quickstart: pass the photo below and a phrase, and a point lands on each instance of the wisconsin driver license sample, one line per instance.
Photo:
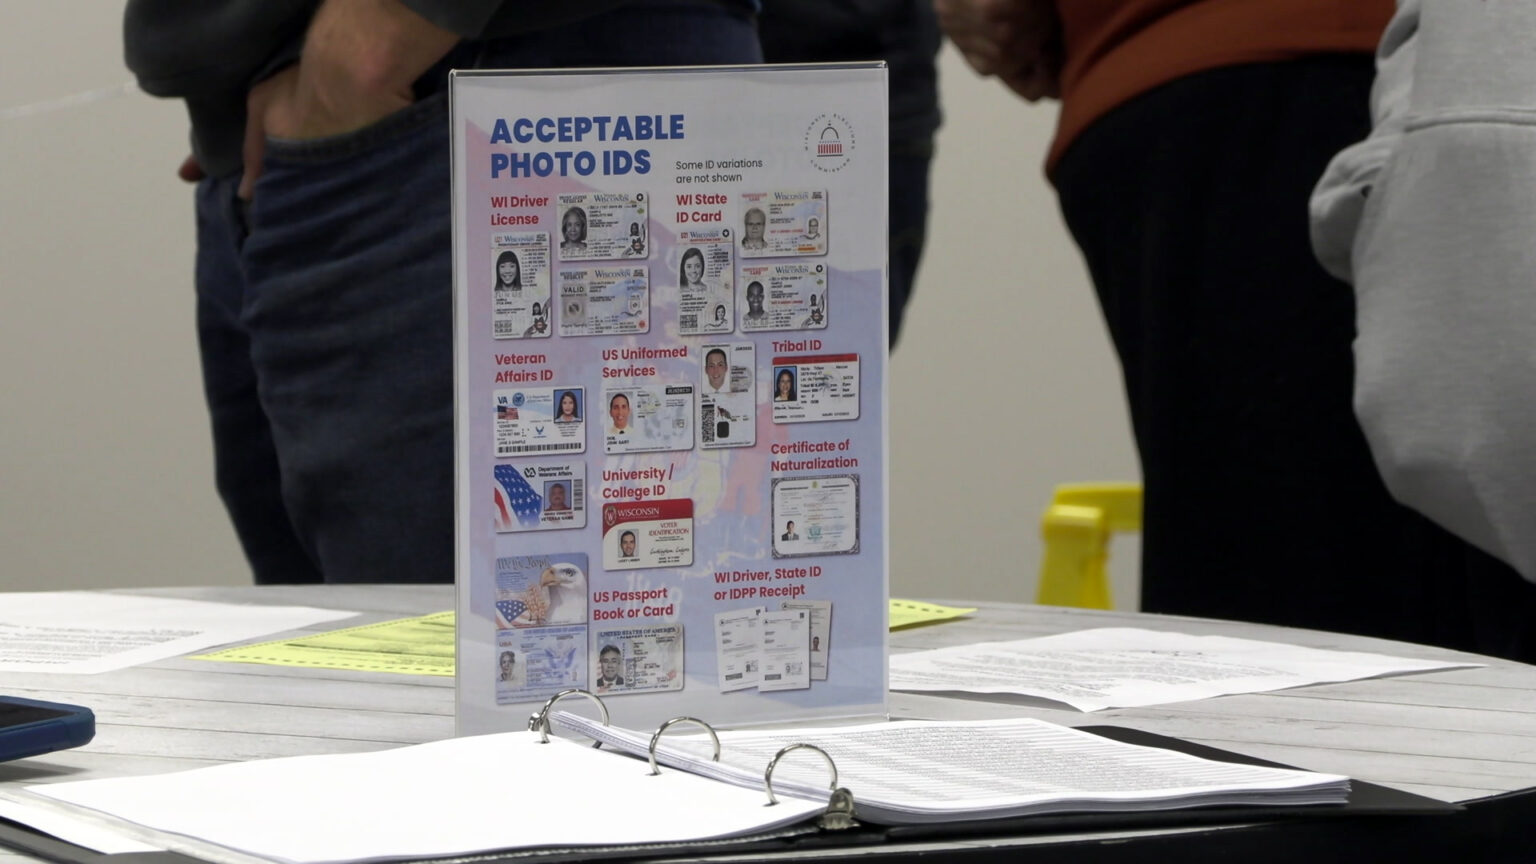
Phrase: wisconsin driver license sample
(604, 301)
(613, 225)
(520, 272)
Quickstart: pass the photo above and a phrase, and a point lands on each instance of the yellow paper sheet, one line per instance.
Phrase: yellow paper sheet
(907, 613)
(424, 646)
(409, 646)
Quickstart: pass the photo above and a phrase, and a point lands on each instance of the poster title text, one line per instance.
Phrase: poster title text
(600, 128)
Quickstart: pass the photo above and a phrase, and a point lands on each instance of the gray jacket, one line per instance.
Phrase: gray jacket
(1433, 218)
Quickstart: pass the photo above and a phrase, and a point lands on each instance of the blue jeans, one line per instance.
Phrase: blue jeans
(325, 316)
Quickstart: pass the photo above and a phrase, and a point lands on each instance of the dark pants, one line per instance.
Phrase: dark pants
(1261, 499)
(325, 318)
(908, 231)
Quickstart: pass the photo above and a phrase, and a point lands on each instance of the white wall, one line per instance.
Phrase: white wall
(1003, 386)
(1005, 332)
(104, 461)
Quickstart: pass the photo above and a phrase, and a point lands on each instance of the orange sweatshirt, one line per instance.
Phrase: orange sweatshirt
(1117, 49)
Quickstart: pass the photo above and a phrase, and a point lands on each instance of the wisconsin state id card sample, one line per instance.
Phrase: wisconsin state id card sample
(670, 392)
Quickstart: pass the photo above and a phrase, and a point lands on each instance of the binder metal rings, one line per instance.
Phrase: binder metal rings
(539, 722)
(768, 775)
(839, 813)
(667, 725)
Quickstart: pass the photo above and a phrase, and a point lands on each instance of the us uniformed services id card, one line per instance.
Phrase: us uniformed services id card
(728, 395)
(520, 271)
(706, 300)
(776, 224)
(817, 387)
(539, 497)
(784, 297)
(604, 301)
(648, 534)
(638, 659)
(540, 420)
(596, 226)
(670, 449)
(644, 418)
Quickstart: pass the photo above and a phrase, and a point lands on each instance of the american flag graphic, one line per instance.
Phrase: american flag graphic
(515, 498)
(509, 610)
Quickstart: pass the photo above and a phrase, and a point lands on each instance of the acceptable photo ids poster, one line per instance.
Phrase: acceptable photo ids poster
(670, 392)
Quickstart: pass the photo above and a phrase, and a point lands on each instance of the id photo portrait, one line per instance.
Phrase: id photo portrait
(618, 413)
(690, 273)
(568, 406)
(556, 497)
(754, 224)
(509, 272)
(785, 388)
(573, 230)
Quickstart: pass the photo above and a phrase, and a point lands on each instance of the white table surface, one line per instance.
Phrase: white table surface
(1455, 735)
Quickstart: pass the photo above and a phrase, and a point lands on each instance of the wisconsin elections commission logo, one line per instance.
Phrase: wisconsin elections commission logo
(829, 143)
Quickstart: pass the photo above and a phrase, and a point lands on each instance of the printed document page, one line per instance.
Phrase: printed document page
(455, 797)
(930, 771)
(407, 646)
(80, 832)
(84, 632)
(909, 613)
(1124, 667)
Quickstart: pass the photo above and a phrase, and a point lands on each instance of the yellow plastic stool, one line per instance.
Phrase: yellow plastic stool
(1077, 528)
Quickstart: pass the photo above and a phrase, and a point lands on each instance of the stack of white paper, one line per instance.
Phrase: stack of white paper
(455, 797)
(932, 771)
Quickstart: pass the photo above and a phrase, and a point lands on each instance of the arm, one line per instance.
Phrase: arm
(359, 61)
(1018, 41)
(1338, 202)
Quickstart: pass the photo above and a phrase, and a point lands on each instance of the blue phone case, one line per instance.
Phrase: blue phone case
(29, 727)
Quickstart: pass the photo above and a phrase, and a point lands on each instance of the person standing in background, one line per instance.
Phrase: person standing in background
(1190, 134)
(1429, 218)
(324, 273)
(905, 34)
